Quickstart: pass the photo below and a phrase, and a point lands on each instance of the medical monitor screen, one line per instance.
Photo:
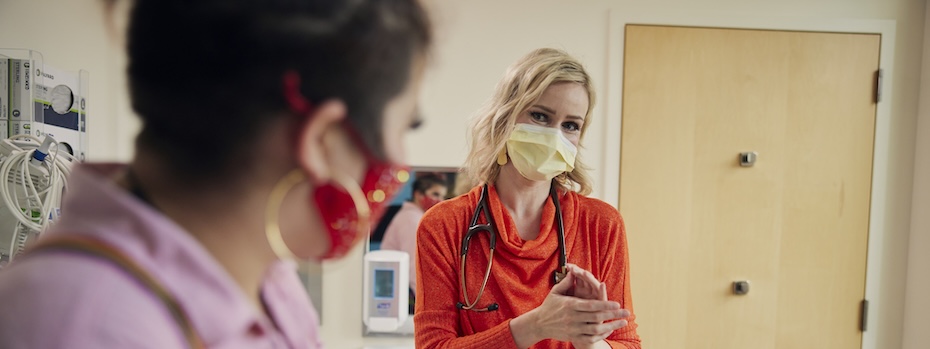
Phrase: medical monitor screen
(384, 283)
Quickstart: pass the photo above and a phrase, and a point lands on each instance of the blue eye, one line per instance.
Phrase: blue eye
(540, 117)
(571, 126)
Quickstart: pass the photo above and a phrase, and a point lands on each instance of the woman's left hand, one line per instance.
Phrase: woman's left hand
(588, 287)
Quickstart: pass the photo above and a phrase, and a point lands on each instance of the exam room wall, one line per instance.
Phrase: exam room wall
(917, 311)
(476, 42)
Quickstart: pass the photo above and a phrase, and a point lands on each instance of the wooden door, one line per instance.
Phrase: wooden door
(794, 225)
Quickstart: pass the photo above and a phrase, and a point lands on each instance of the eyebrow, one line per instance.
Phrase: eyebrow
(552, 111)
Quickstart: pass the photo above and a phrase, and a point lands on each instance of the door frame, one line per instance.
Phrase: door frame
(609, 190)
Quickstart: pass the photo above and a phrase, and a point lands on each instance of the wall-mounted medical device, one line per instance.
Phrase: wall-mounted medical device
(386, 287)
(42, 134)
(60, 109)
(41, 100)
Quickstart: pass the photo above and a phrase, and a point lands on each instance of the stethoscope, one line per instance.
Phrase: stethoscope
(489, 228)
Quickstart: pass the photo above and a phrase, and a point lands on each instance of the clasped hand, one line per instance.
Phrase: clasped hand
(577, 311)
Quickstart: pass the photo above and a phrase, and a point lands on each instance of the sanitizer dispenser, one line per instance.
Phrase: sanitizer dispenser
(387, 283)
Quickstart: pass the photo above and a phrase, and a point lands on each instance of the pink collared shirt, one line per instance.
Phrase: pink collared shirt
(401, 235)
(57, 299)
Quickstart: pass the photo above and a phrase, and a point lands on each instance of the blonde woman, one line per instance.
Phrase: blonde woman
(525, 259)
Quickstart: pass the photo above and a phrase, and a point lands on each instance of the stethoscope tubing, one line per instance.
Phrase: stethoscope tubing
(491, 229)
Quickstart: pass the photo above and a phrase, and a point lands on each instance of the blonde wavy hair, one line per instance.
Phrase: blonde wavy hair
(523, 83)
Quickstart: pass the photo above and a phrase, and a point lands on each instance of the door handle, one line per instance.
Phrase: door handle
(748, 159)
(740, 287)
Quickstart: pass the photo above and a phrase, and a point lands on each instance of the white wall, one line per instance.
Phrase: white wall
(477, 40)
(917, 311)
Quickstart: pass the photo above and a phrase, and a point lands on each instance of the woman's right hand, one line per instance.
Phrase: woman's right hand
(563, 317)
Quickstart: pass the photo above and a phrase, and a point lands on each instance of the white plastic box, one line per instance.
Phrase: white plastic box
(59, 109)
(4, 97)
(21, 104)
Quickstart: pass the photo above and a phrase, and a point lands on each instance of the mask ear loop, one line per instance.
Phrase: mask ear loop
(285, 185)
(403, 172)
(291, 91)
(300, 105)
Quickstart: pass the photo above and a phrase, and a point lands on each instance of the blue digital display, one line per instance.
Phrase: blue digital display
(384, 284)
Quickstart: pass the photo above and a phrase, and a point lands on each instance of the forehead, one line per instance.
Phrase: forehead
(566, 98)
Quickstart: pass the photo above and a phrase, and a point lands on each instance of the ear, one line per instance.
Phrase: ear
(312, 155)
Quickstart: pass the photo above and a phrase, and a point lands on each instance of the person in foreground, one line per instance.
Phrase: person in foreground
(271, 132)
(525, 259)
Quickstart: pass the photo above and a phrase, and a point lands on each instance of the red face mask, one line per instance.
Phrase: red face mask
(426, 202)
(338, 210)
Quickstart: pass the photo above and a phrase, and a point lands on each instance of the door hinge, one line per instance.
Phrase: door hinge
(864, 315)
(878, 85)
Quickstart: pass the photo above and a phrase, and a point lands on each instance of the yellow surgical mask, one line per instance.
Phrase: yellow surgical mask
(540, 153)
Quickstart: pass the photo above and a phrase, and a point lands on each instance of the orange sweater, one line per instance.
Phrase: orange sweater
(522, 272)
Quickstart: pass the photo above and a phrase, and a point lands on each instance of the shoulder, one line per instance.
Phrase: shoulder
(595, 209)
(598, 220)
(84, 302)
(444, 223)
(408, 211)
(452, 211)
(402, 228)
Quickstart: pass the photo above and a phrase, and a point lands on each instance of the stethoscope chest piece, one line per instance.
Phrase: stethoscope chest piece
(559, 275)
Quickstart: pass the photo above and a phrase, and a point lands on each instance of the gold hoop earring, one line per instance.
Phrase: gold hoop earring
(276, 198)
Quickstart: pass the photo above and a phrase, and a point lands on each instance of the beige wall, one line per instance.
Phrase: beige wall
(71, 36)
(917, 310)
(477, 40)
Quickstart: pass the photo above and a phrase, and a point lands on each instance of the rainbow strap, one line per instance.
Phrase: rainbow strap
(97, 248)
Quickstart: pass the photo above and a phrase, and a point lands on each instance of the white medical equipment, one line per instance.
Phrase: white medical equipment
(30, 196)
(44, 110)
(386, 285)
(60, 109)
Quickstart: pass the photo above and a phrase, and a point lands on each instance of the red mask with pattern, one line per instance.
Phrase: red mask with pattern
(339, 210)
